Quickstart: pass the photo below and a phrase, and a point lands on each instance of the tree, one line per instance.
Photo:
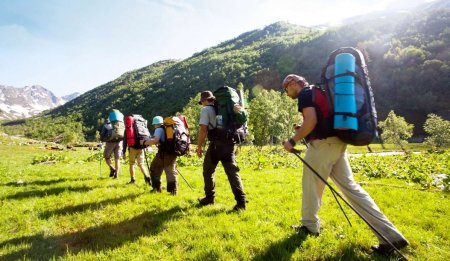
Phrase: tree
(272, 115)
(192, 113)
(439, 130)
(396, 130)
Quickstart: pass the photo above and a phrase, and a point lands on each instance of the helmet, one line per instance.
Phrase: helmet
(293, 78)
(157, 120)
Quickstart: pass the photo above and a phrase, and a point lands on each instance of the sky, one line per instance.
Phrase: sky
(72, 46)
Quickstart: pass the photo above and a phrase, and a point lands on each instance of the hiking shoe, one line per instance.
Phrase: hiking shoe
(112, 172)
(386, 249)
(206, 201)
(156, 190)
(239, 207)
(132, 181)
(304, 230)
(147, 180)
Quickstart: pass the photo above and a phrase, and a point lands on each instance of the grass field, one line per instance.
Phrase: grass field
(67, 209)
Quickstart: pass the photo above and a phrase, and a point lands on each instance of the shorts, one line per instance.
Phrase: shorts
(113, 147)
(136, 154)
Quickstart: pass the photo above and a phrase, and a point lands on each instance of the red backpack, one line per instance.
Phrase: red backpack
(324, 127)
(136, 130)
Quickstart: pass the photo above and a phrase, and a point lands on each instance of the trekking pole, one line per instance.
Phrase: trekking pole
(148, 166)
(100, 158)
(297, 153)
(184, 179)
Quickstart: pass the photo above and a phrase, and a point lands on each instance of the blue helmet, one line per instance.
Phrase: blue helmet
(157, 120)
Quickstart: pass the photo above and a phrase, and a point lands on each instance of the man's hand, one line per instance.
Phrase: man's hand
(199, 151)
(142, 142)
(237, 108)
(287, 145)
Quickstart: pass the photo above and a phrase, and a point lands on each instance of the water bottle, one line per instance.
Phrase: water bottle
(219, 121)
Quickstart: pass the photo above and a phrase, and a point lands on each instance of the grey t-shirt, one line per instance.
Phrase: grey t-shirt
(208, 117)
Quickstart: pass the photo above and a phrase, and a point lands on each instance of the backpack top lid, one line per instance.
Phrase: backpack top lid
(115, 115)
(225, 93)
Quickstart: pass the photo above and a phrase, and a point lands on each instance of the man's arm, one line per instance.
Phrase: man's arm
(151, 141)
(309, 122)
(202, 132)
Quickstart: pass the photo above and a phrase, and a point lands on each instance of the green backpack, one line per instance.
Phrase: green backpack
(112, 131)
(230, 126)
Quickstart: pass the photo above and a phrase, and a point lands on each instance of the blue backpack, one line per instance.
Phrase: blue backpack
(360, 98)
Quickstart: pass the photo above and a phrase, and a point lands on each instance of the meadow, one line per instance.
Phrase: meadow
(58, 205)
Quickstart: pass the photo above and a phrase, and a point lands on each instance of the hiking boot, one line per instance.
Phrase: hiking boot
(147, 180)
(111, 172)
(386, 249)
(172, 188)
(206, 201)
(156, 190)
(239, 207)
(132, 181)
(115, 175)
(304, 230)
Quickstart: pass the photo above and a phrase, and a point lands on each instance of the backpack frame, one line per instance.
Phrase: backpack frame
(366, 113)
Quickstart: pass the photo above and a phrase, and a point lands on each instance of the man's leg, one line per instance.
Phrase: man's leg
(131, 159)
(107, 153)
(140, 159)
(209, 167)
(343, 177)
(229, 163)
(170, 164)
(156, 169)
(319, 158)
(117, 155)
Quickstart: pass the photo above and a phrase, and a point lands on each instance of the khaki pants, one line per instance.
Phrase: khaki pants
(164, 162)
(329, 158)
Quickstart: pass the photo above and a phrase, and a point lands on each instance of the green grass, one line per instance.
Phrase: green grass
(68, 210)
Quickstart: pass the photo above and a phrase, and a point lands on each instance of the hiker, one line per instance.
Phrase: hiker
(135, 130)
(218, 150)
(328, 156)
(162, 161)
(135, 153)
(111, 133)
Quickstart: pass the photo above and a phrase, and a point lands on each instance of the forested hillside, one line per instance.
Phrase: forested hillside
(408, 59)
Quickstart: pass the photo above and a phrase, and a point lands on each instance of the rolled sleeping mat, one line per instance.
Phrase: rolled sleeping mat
(344, 93)
(116, 116)
(129, 131)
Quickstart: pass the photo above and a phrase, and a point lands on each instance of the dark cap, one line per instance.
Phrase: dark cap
(293, 78)
(206, 95)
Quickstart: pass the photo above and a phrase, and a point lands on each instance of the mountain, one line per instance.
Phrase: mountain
(17, 103)
(70, 97)
(408, 57)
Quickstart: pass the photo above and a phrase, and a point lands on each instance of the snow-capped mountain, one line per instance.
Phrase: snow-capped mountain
(17, 103)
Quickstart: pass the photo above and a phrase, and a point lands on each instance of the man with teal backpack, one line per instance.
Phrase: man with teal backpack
(112, 133)
(222, 120)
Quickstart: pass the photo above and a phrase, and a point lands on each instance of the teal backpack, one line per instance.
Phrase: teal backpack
(230, 126)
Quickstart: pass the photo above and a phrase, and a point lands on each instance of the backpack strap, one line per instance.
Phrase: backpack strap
(215, 110)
